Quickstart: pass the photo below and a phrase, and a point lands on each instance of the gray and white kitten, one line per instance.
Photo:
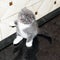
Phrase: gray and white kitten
(26, 27)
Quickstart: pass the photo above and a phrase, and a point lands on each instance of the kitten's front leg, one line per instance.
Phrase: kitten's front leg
(18, 36)
(29, 41)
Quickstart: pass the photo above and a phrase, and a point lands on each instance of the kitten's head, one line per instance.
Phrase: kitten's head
(26, 16)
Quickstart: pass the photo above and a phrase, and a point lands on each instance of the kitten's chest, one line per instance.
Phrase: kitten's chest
(22, 28)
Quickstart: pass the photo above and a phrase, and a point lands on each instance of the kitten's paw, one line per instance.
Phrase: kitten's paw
(17, 40)
(29, 44)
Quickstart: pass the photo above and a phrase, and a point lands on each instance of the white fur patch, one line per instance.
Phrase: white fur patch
(22, 27)
(29, 44)
(17, 40)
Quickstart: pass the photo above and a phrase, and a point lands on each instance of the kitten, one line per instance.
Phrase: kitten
(26, 27)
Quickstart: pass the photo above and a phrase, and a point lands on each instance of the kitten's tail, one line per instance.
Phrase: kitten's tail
(46, 37)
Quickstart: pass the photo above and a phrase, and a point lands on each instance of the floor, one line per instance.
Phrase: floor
(43, 50)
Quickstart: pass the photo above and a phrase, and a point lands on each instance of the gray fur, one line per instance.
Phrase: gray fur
(26, 16)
